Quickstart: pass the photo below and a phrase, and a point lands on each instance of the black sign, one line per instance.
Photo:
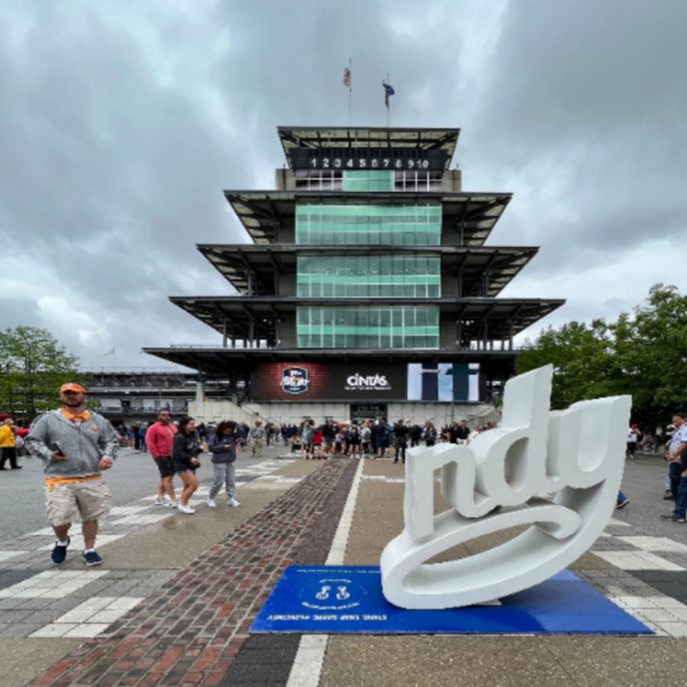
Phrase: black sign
(391, 159)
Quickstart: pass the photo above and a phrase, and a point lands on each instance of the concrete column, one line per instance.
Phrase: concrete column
(200, 392)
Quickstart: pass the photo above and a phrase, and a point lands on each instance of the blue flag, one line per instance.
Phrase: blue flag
(388, 90)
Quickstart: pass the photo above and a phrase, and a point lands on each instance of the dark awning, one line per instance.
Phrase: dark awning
(472, 215)
(494, 267)
(238, 315)
(216, 361)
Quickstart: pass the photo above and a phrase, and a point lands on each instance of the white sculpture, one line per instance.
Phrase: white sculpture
(577, 454)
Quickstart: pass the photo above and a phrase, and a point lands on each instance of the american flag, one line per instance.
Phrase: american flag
(347, 77)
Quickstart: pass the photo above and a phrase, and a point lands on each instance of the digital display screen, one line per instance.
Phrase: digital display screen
(365, 381)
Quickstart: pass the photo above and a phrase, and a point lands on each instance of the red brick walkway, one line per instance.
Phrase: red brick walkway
(190, 632)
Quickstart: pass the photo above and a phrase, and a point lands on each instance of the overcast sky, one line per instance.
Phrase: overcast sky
(122, 122)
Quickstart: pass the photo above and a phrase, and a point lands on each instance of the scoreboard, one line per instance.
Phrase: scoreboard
(391, 159)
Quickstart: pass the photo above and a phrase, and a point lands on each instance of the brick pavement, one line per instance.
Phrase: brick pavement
(191, 631)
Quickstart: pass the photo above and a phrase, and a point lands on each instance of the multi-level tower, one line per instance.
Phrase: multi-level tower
(367, 289)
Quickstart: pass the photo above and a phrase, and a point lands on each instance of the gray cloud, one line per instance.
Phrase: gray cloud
(121, 124)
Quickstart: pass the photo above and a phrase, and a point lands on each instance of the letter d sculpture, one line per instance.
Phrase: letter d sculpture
(576, 456)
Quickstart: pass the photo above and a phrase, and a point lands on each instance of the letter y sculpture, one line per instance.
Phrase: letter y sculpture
(577, 455)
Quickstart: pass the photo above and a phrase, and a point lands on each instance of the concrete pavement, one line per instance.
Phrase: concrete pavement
(173, 602)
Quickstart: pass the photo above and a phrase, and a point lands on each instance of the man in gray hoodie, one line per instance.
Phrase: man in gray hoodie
(75, 446)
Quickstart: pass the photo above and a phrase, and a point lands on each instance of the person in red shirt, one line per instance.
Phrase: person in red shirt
(159, 439)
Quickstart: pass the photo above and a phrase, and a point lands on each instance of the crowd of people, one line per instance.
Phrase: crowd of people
(77, 445)
(372, 438)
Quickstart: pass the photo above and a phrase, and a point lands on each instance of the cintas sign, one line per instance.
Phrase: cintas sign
(376, 382)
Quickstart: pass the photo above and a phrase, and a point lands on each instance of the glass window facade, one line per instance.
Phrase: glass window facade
(368, 327)
(368, 276)
(368, 181)
(374, 224)
(378, 180)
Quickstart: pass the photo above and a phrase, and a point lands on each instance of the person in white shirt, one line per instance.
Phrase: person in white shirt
(678, 442)
(632, 439)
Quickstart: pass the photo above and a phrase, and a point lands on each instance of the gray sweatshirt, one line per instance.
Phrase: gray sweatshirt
(84, 444)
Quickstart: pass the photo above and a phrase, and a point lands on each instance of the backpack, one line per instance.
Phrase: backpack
(355, 435)
(381, 430)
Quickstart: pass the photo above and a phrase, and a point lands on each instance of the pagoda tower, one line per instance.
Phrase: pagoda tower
(367, 289)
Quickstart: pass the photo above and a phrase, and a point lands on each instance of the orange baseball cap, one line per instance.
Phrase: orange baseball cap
(72, 386)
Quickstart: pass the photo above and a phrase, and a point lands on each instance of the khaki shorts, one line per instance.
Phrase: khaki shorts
(89, 500)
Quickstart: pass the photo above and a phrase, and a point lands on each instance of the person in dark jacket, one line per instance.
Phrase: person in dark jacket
(185, 450)
(223, 445)
(415, 434)
(400, 440)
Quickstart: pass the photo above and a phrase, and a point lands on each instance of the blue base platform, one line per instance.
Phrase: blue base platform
(348, 599)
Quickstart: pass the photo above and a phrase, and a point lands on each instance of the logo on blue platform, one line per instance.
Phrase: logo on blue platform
(349, 599)
(333, 594)
(295, 380)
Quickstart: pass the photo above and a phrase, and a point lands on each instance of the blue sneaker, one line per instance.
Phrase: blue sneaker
(59, 553)
(92, 558)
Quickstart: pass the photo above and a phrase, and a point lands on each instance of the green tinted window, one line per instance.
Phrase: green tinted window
(368, 276)
(368, 181)
(368, 225)
(368, 327)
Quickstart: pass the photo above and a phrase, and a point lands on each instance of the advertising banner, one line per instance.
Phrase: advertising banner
(330, 382)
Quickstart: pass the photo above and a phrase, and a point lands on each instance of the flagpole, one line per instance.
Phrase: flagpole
(350, 93)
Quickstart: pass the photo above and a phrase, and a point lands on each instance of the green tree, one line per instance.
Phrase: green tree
(33, 365)
(651, 350)
(643, 354)
(582, 359)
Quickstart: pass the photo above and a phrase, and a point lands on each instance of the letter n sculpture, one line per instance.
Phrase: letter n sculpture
(573, 458)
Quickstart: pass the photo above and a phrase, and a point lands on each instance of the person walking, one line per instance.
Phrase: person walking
(632, 439)
(158, 440)
(677, 464)
(76, 446)
(8, 444)
(223, 445)
(400, 441)
(307, 434)
(380, 437)
(257, 438)
(430, 433)
(678, 441)
(185, 450)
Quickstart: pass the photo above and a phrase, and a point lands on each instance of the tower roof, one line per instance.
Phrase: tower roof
(366, 138)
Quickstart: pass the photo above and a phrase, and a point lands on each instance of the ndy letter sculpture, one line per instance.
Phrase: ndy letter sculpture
(576, 454)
